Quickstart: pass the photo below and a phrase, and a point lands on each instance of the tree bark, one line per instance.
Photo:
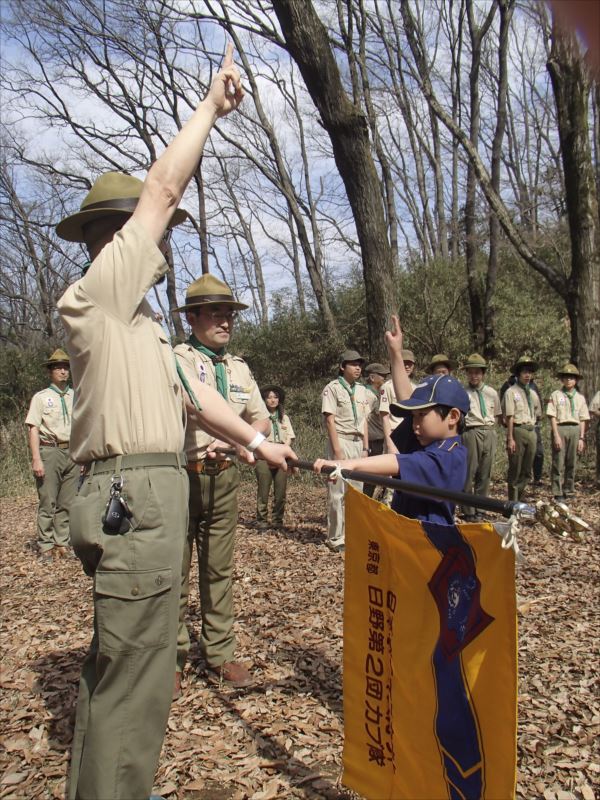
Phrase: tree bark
(489, 345)
(308, 44)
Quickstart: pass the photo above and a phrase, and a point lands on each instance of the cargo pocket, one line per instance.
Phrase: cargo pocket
(132, 609)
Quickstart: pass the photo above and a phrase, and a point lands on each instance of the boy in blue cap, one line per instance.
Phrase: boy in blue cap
(430, 452)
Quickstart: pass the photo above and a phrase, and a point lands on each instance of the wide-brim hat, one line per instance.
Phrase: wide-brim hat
(264, 391)
(58, 357)
(440, 358)
(524, 361)
(434, 390)
(476, 361)
(408, 355)
(351, 355)
(377, 369)
(209, 291)
(570, 370)
(112, 193)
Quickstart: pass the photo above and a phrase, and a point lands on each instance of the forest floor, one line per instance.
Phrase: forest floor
(284, 737)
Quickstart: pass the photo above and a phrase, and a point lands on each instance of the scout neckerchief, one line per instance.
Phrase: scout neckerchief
(63, 402)
(482, 405)
(350, 390)
(571, 396)
(274, 417)
(527, 389)
(217, 360)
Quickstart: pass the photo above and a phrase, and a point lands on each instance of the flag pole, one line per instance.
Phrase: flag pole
(504, 507)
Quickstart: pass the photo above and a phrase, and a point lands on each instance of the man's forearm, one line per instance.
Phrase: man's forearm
(334, 441)
(34, 442)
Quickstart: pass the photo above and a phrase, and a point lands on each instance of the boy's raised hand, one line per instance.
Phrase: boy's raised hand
(394, 339)
(226, 92)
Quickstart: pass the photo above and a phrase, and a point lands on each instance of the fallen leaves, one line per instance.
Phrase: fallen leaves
(283, 739)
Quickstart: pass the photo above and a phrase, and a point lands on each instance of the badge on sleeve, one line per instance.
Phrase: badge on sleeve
(202, 372)
(49, 402)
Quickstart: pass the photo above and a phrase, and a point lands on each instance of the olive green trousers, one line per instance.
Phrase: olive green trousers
(56, 491)
(127, 676)
(480, 442)
(266, 477)
(564, 461)
(336, 535)
(213, 515)
(520, 463)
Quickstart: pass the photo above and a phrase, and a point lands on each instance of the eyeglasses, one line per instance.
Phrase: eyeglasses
(230, 316)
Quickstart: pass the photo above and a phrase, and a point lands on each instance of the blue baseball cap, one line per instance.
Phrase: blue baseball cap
(434, 390)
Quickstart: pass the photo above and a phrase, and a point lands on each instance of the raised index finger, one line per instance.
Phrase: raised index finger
(228, 59)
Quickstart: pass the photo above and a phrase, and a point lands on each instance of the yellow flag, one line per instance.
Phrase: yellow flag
(430, 658)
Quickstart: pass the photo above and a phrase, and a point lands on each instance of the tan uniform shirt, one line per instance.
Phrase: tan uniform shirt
(336, 400)
(46, 414)
(514, 404)
(374, 422)
(243, 394)
(475, 417)
(387, 396)
(559, 406)
(128, 398)
(595, 404)
(286, 432)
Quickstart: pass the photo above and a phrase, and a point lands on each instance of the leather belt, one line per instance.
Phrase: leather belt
(568, 423)
(208, 467)
(355, 436)
(60, 445)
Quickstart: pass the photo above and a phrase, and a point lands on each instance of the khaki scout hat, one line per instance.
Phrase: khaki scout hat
(408, 355)
(58, 357)
(569, 369)
(209, 291)
(377, 369)
(350, 355)
(475, 360)
(524, 361)
(440, 358)
(112, 193)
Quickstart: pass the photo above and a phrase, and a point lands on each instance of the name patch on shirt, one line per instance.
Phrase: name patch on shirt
(240, 394)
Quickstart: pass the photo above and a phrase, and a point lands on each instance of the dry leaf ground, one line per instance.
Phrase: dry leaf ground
(284, 738)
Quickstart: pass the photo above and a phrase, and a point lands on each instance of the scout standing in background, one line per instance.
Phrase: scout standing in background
(49, 423)
(376, 375)
(345, 407)
(595, 412)
(521, 408)
(569, 415)
(281, 433)
(440, 364)
(214, 482)
(388, 396)
(480, 435)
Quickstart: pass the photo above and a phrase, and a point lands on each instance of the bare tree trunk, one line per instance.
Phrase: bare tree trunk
(471, 244)
(307, 41)
(489, 344)
(571, 84)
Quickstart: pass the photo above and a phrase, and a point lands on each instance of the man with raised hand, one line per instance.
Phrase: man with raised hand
(128, 523)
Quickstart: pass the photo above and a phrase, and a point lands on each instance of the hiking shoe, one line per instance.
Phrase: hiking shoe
(231, 673)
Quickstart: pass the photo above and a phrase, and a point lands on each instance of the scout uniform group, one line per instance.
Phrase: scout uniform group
(145, 440)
